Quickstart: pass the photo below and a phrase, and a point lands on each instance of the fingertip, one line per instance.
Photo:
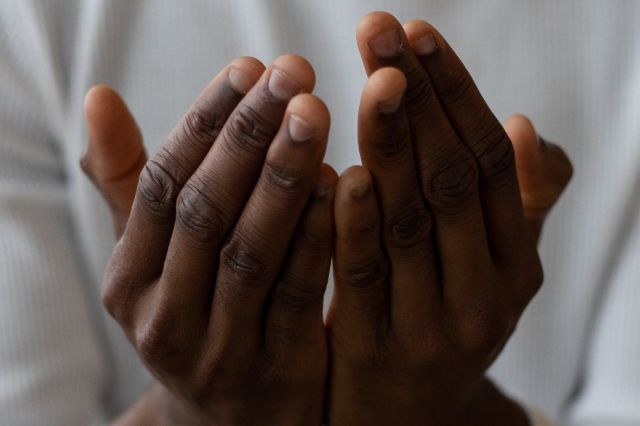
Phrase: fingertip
(379, 36)
(249, 64)
(99, 102)
(244, 72)
(326, 181)
(416, 28)
(355, 184)
(108, 117)
(521, 127)
(355, 172)
(115, 142)
(423, 38)
(326, 184)
(374, 23)
(312, 110)
(297, 70)
(525, 140)
(385, 89)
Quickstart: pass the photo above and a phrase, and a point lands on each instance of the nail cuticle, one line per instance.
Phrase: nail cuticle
(390, 106)
(360, 191)
(322, 190)
(387, 45)
(299, 129)
(282, 86)
(425, 45)
(239, 81)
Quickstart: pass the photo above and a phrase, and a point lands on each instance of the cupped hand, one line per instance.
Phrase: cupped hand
(219, 274)
(435, 256)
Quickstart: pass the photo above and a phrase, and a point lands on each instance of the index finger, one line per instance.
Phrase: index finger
(152, 215)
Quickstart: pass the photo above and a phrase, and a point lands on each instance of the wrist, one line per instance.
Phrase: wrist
(489, 405)
(158, 406)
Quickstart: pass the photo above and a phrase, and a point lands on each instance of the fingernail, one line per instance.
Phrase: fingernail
(387, 45)
(299, 129)
(239, 80)
(282, 86)
(425, 45)
(390, 106)
(360, 190)
(322, 190)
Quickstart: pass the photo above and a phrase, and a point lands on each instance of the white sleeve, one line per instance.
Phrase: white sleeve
(610, 391)
(51, 364)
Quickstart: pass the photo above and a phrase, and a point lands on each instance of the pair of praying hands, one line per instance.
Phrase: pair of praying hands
(226, 236)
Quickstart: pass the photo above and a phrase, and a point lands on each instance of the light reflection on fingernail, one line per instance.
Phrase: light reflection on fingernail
(387, 44)
(282, 86)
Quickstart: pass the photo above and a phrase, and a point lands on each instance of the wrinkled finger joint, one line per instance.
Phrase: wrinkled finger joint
(199, 216)
(249, 132)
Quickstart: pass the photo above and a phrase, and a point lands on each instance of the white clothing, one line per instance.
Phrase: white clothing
(572, 66)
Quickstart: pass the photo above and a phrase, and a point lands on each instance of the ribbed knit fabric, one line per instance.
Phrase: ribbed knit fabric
(572, 66)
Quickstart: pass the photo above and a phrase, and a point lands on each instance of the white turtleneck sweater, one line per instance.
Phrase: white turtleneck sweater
(572, 66)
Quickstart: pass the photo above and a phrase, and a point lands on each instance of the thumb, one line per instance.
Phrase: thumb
(544, 170)
(115, 155)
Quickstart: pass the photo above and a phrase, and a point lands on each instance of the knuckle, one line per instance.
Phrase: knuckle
(376, 357)
(203, 126)
(495, 155)
(158, 344)
(158, 189)
(271, 373)
(242, 262)
(409, 227)
(156, 347)
(198, 215)
(297, 294)
(485, 333)
(114, 301)
(119, 293)
(365, 274)
(426, 350)
(250, 132)
(453, 185)
(221, 368)
(288, 180)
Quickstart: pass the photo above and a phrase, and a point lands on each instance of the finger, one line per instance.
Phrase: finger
(213, 198)
(448, 171)
(115, 154)
(140, 254)
(295, 302)
(481, 132)
(360, 306)
(543, 170)
(386, 151)
(253, 255)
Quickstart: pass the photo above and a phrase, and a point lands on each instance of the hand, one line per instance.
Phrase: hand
(219, 275)
(434, 260)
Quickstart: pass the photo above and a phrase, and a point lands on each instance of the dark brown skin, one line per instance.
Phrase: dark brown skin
(219, 275)
(430, 278)
(434, 260)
